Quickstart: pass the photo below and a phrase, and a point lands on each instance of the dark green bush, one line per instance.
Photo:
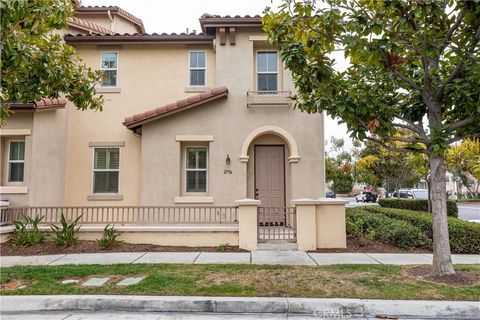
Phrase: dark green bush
(26, 232)
(109, 237)
(417, 205)
(367, 226)
(464, 235)
(66, 235)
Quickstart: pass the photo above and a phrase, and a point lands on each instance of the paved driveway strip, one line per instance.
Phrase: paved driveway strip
(10, 261)
(99, 258)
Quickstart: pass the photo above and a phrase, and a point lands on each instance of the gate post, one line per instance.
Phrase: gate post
(306, 223)
(331, 230)
(247, 223)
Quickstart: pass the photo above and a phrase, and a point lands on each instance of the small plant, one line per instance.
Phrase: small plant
(109, 237)
(66, 235)
(26, 232)
(223, 247)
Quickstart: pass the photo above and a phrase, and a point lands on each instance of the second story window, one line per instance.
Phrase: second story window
(16, 161)
(197, 68)
(109, 66)
(267, 71)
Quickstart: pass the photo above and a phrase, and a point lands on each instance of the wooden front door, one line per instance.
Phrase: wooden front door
(270, 175)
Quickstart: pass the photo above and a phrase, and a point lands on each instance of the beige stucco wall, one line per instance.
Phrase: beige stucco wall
(45, 148)
(148, 77)
(230, 122)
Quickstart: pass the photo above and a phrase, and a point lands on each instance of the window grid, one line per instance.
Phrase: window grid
(107, 168)
(19, 162)
(196, 168)
(270, 70)
(107, 69)
(194, 58)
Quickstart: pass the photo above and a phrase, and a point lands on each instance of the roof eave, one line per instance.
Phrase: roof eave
(134, 125)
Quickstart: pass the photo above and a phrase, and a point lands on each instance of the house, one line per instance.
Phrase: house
(199, 119)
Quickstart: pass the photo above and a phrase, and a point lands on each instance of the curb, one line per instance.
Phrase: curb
(306, 306)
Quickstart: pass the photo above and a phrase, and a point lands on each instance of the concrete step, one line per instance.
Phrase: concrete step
(277, 246)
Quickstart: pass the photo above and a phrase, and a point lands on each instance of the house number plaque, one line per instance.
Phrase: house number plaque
(227, 171)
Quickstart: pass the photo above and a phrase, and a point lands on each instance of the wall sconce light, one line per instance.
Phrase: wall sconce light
(227, 161)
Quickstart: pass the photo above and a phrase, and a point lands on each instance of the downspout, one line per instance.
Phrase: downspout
(111, 19)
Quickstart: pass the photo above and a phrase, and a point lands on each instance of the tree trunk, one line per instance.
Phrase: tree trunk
(429, 186)
(442, 259)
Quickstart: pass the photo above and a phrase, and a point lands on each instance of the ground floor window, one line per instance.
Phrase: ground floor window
(16, 161)
(196, 169)
(106, 170)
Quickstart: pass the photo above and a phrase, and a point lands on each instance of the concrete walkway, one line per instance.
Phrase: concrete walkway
(255, 257)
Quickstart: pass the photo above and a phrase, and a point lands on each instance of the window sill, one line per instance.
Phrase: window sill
(13, 190)
(193, 200)
(196, 89)
(108, 89)
(99, 197)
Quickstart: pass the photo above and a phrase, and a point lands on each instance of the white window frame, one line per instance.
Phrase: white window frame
(266, 72)
(109, 69)
(196, 68)
(189, 169)
(103, 170)
(16, 161)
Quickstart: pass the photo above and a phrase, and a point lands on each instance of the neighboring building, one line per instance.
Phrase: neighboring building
(200, 119)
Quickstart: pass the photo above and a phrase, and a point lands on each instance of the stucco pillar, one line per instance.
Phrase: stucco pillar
(330, 216)
(247, 223)
(306, 224)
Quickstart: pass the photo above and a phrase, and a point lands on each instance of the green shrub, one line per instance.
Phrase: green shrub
(66, 235)
(464, 235)
(367, 227)
(109, 237)
(223, 247)
(26, 232)
(416, 205)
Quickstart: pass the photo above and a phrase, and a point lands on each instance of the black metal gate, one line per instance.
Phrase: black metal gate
(277, 223)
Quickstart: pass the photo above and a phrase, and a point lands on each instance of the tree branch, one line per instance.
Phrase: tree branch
(459, 66)
(389, 148)
(462, 137)
(408, 140)
(452, 30)
(460, 124)
(411, 126)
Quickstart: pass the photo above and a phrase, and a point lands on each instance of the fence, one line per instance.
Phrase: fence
(277, 224)
(126, 215)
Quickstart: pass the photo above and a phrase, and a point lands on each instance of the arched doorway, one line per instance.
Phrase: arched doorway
(268, 153)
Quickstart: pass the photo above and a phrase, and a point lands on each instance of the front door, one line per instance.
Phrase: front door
(270, 176)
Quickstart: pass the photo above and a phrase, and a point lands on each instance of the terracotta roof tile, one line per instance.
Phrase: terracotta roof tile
(127, 15)
(211, 21)
(87, 25)
(143, 38)
(137, 120)
(47, 103)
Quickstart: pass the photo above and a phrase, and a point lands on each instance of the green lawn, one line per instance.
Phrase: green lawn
(340, 281)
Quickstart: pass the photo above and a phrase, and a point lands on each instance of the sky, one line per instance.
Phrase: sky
(177, 15)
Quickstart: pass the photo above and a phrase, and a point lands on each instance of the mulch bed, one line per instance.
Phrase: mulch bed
(87, 246)
(460, 278)
(354, 245)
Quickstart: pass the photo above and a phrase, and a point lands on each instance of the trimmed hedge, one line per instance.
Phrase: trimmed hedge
(416, 205)
(367, 226)
(464, 235)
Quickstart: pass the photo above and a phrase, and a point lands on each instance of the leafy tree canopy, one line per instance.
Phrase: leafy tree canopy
(410, 60)
(35, 62)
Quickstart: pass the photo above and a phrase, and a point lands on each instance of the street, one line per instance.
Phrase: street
(467, 212)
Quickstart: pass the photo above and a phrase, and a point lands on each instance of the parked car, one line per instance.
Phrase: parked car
(411, 194)
(370, 197)
(330, 194)
(366, 197)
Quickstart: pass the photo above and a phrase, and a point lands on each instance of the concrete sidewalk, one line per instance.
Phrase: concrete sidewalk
(255, 257)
